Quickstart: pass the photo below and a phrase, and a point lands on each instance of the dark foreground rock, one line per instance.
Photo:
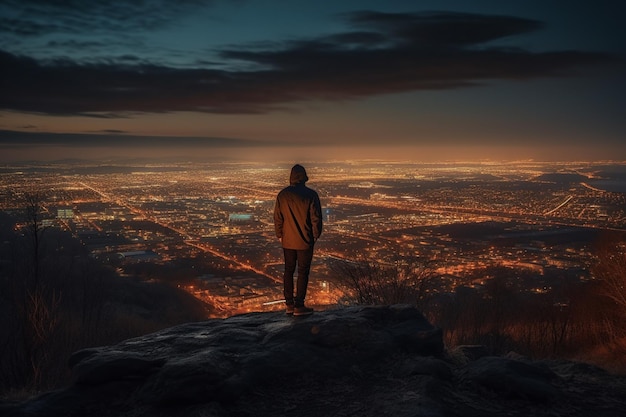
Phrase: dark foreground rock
(357, 361)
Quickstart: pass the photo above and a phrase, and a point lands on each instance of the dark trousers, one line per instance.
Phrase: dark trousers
(303, 259)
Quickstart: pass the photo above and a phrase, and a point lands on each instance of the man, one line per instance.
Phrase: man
(298, 224)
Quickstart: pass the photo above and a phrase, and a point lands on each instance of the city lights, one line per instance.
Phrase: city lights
(214, 222)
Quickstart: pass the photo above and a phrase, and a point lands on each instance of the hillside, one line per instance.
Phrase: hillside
(355, 361)
(562, 178)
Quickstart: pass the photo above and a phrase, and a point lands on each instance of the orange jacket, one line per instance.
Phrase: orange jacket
(298, 217)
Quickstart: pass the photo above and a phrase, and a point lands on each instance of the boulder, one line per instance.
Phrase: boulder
(221, 360)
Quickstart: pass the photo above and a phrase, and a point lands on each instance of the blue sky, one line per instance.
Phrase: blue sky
(298, 80)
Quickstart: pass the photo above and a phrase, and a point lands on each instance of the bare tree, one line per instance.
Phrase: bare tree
(41, 298)
(405, 281)
(33, 302)
(610, 269)
(33, 231)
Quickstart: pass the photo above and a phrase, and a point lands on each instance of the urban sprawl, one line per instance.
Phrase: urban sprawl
(209, 227)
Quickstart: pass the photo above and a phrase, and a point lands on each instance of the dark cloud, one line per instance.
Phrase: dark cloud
(90, 31)
(42, 17)
(387, 53)
(113, 131)
(441, 29)
(113, 138)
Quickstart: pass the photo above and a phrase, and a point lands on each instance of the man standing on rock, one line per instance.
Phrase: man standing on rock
(298, 224)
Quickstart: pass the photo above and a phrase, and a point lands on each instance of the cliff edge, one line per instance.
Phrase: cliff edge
(354, 361)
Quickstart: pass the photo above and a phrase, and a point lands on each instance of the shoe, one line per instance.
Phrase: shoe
(289, 309)
(302, 311)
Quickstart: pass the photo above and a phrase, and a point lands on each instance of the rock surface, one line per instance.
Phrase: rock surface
(356, 361)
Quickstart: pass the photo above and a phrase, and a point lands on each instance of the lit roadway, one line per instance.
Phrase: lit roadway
(187, 238)
(438, 210)
(584, 184)
(240, 265)
(567, 200)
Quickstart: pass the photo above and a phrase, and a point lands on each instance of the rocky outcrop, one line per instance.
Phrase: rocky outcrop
(386, 360)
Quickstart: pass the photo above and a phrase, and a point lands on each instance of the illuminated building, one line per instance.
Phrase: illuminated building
(240, 218)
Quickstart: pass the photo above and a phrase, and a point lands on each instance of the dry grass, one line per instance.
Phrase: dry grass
(611, 357)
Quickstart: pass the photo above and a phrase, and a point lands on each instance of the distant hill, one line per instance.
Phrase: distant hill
(159, 304)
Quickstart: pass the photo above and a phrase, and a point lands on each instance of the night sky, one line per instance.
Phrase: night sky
(299, 80)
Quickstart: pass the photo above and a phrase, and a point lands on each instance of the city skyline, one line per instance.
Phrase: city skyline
(298, 81)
